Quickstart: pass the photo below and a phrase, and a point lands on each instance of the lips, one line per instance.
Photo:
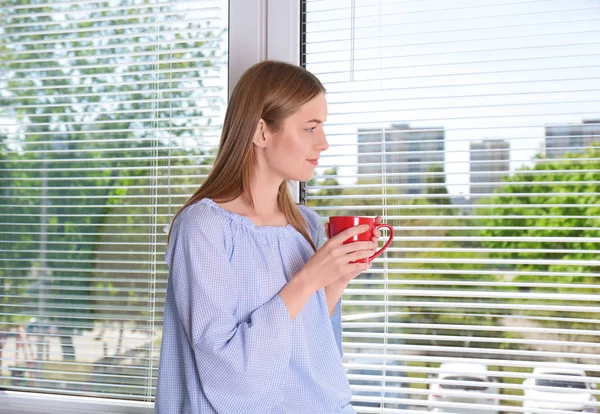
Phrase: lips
(314, 161)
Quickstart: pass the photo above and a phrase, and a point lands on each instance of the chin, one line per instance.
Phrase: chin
(306, 177)
(300, 175)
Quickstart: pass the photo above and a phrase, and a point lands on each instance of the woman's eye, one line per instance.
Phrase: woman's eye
(311, 129)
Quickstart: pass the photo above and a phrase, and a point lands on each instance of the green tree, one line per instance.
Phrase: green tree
(96, 104)
(327, 187)
(544, 220)
(436, 186)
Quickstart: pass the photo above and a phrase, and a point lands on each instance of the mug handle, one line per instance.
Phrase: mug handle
(387, 244)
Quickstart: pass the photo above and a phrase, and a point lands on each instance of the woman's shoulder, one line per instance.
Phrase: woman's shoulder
(313, 220)
(309, 214)
(198, 224)
(203, 217)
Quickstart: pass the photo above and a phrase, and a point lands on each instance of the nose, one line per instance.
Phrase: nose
(322, 144)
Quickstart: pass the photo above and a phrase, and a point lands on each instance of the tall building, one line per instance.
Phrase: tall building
(570, 138)
(489, 164)
(403, 153)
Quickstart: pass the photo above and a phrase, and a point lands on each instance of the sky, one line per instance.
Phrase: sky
(478, 69)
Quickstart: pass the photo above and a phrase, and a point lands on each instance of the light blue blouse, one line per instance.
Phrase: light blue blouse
(228, 344)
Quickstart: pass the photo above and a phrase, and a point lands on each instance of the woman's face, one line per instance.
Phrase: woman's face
(293, 152)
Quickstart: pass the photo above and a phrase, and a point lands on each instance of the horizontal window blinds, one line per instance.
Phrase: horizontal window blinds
(110, 114)
(474, 129)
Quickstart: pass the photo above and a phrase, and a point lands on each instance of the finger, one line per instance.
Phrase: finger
(363, 254)
(358, 268)
(357, 246)
(349, 232)
(376, 231)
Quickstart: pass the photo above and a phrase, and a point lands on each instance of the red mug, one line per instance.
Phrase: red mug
(338, 224)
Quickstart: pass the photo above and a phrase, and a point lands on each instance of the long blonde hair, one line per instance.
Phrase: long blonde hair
(272, 91)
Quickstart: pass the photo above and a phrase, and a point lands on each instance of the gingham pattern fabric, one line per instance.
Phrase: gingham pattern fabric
(228, 344)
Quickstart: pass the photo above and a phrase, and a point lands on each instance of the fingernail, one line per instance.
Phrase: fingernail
(365, 227)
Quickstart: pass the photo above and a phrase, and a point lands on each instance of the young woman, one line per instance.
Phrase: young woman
(252, 315)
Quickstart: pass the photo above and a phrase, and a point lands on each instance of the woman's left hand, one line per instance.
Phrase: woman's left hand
(375, 238)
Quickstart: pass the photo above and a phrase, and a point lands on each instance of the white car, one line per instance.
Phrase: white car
(563, 387)
(466, 383)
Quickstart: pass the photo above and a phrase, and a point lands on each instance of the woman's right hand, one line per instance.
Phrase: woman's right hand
(334, 259)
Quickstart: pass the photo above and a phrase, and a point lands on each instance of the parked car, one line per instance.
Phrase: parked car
(461, 382)
(564, 387)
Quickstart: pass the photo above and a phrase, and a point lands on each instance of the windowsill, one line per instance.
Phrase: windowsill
(15, 402)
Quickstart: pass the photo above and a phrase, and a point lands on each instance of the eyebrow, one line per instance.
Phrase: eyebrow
(318, 121)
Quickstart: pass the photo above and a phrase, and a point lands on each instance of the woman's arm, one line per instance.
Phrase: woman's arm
(334, 292)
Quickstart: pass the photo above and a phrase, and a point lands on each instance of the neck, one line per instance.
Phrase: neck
(264, 188)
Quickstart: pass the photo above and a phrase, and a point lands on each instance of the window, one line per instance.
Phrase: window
(110, 115)
(503, 273)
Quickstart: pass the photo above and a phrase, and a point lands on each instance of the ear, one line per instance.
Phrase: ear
(261, 135)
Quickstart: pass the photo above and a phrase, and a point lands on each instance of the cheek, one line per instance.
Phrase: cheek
(293, 146)
(288, 157)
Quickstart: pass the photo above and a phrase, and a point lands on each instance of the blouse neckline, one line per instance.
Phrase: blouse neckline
(238, 218)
